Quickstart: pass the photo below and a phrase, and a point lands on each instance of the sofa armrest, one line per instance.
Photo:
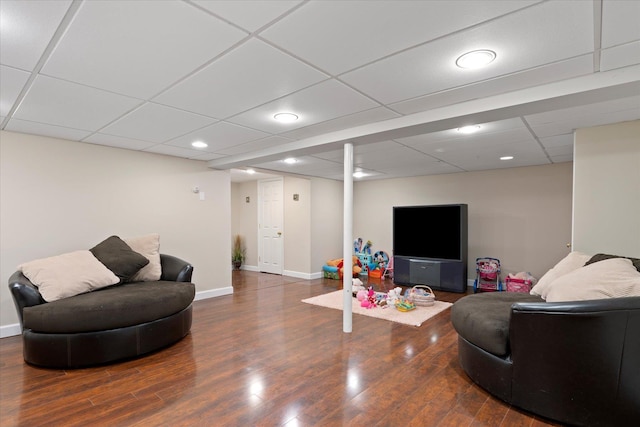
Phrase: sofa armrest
(174, 269)
(25, 293)
(585, 351)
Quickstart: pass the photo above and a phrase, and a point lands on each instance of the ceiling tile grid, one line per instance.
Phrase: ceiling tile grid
(158, 76)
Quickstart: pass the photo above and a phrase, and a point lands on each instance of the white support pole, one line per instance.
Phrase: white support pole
(347, 243)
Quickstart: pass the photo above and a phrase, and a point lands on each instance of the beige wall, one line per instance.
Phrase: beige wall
(607, 189)
(297, 226)
(312, 225)
(244, 218)
(327, 203)
(58, 196)
(521, 215)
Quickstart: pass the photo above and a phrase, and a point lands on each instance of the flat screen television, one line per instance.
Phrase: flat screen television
(434, 231)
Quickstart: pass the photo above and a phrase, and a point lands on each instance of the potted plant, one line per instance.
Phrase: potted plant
(237, 252)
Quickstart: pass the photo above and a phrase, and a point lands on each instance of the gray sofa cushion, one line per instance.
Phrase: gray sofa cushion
(110, 308)
(483, 319)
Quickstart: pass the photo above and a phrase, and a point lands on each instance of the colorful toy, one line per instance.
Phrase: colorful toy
(367, 247)
(370, 301)
(338, 263)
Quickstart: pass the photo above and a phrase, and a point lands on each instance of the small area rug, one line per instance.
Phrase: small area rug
(414, 317)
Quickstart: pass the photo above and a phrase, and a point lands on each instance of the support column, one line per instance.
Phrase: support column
(347, 246)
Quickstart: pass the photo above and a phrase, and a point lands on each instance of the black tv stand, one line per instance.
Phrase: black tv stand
(439, 274)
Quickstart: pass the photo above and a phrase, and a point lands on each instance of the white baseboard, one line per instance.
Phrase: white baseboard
(212, 293)
(305, 276)
(10, 330)
(249, 267)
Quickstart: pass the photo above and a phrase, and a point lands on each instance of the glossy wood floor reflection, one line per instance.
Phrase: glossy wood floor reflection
(260, 357)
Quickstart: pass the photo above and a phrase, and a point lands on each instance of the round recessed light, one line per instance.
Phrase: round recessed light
(506, 158)
(290, 160)
(250, 171)
(469, 129)
(199, 144)
(359, 174)
(286, 117)
(476, 59)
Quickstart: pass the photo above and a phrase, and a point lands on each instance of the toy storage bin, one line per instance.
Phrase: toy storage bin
(365, 260)
(518, 285)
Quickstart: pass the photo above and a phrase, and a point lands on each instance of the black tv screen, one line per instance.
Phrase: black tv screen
(436, 231)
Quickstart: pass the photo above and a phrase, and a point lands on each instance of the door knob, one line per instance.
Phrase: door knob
(279, 233)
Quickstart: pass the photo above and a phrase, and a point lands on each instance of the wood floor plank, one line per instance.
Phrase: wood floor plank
(261, 357)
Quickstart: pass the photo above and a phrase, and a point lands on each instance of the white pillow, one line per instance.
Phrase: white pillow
(69, 274)
(149, 246)
(611, 278)
(568, 264)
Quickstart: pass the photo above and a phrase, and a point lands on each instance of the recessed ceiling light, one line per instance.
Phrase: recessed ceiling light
(199, 144)
(476, 59)
(286, 117)
(506, 158)
(290, 160)
(250, 171)
(359, 174)
(469, 129)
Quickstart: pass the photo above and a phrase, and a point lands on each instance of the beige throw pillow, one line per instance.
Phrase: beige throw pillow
(612, 278)
(149, 246)
(69, 274)
(568, 264)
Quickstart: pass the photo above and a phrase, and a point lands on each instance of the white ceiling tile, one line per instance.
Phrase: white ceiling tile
(555, 71)
(24, 126)
(259, 144)
(219, 136)
(467, 159)
(156, 123)
(565, 150)
(27, 27)
(565, 121)
(304, 164)
(488, 131)
(339, 36)
(620, 56)
(62, 103)
(312, 105)
(558, 141)
(175, 151)
(364, 117)
(427, 168)
(207, 156)
(117, 141)
(620, 22)
(518, 43)
(11, 83)
(248, 14)
(113, 45)
(267, 73)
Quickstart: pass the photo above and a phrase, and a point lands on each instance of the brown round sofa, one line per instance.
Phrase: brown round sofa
(106, 325)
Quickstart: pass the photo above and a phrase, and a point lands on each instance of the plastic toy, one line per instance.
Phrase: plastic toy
(488, 275)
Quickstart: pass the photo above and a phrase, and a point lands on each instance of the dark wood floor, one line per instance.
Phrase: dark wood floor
(261, 357)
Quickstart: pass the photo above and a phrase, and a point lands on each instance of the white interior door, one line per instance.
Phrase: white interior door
(270, 224)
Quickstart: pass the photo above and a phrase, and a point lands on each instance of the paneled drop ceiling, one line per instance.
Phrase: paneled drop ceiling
(156, 76)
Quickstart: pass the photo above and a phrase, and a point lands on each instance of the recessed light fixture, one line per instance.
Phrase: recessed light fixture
(469, 129)
(199, 144)
(476, 59)
(506, 158)
(290, 160)
(250, 171)
(359, 174)
(286, 117)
